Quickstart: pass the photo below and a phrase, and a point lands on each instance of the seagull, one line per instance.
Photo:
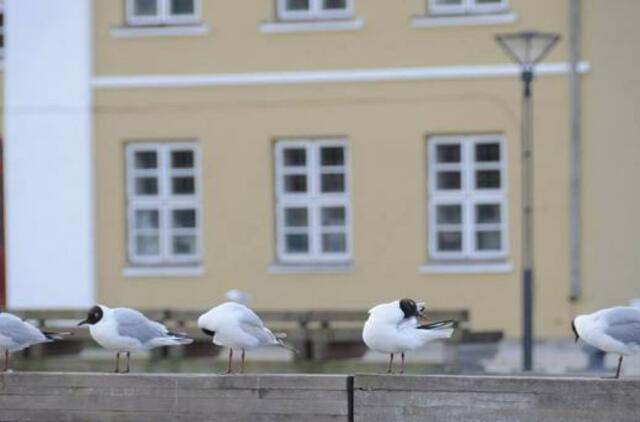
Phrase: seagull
(235, 326)
(16, 334)
(612, 330)
(394, 328)
(125, 330)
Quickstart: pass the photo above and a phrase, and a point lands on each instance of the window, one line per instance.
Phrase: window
(1, 29)
(454, 7)
(467, 200)
(163, 207)
(163, 12)
(314, 9)
(313, 201)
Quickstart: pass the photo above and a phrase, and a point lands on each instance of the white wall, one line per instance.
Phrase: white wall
(48, 154)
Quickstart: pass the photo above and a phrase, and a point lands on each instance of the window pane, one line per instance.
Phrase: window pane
(333, 216)
(488, 241)
(147, 245)
(332, 156)
(334, 4)
(333, 183)
(449, 180)
(448, 153)
(449, 241)
(487, 152)
(334, 242)
(184, 185)
(294, 157)
(182, 7)
(146, 160)
(184, 244)
(147, 219)
(296, 243)
(296, 217)
(145, 7)
(295, 183)
(146, 186)
(183, 219)
(488, 213)
(293, 5)
(181, 159)
(488, 179)
(449, 214)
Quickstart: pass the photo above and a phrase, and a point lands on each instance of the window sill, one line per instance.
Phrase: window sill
(463, 20)
(311, 268)
(168, 271)
(159, 31)
(466, 267)
(286, 27)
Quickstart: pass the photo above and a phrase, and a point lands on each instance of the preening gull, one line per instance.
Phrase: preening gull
(394, 328)
(235, 326)
(612, 330)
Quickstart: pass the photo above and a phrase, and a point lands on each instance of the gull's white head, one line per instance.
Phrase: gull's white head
(397, 310)
(578, 325)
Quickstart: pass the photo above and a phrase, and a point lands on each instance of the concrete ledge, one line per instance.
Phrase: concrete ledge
(169, 397)
(452, 398)
(51, 396)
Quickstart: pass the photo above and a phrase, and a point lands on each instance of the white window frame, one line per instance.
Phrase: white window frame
(467, 197)
(315, 12)
(470, 7)
(313, 200)
(165, 202)
(164, 17)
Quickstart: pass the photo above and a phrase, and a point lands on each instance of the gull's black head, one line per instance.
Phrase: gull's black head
(409, 308)
(575, 332)
(94, 315)
(208, 332)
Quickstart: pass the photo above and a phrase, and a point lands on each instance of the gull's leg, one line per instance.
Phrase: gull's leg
(230, 358)
(389, 370)
(126, 371)
(6, 360)
(402, 365)
(619, 366)
(242, 365)
(117, 363)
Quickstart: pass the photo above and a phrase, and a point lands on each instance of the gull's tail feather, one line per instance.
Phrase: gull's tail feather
(440, 329)
(180, 338)
(50, 335)
(279, 337)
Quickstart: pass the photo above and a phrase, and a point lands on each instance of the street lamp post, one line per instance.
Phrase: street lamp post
(527, 48)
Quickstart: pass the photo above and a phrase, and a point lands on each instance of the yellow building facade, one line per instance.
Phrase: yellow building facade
(338, 154)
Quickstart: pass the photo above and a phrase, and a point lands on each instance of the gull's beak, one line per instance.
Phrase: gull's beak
(83, 322)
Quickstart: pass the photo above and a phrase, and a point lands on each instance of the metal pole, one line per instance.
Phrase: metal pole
(527, 220)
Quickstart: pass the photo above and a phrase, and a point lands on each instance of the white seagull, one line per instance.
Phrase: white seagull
(16, 334)
(612, 330)
(125, 330)
(394, 328)
(235, 326)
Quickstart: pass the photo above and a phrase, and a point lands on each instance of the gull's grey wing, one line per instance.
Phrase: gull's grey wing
(623, 324)
(19, 331)
(132, 323)
(262, 333)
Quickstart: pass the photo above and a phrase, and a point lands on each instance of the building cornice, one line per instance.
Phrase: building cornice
(304, 77)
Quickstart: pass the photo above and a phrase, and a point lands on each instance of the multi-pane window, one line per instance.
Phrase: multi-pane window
(163, 204)
(313, 201)
(314, 9)
(467, 197)
(446, 7)
(162, 12)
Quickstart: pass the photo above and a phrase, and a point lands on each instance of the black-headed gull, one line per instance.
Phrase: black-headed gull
(235, 326)
(125, 330)
(612, 330)
(394, 328)
(16, 334)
